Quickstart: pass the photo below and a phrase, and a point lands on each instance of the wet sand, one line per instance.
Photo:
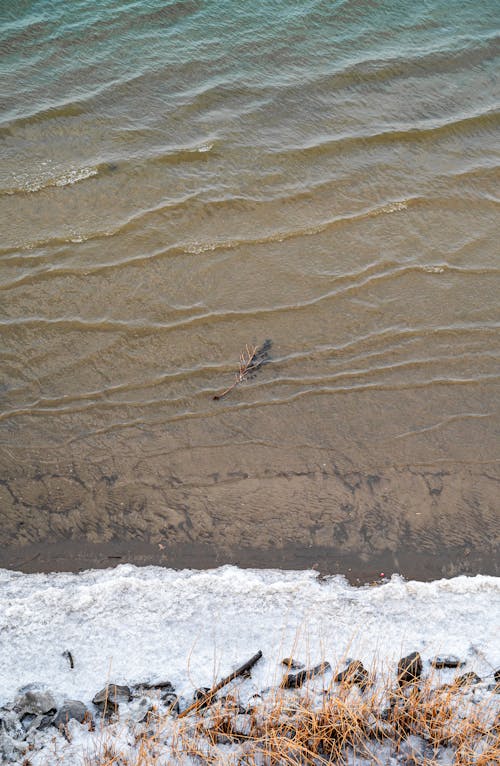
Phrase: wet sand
(421, 522)
(358, 570)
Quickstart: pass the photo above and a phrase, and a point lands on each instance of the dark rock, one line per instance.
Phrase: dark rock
(467, 679)
(296, 680)
(165, 686)
(71, 710)
(199, 694)
(31, 723)
(35, 703)
(292, 664)
(496, 676)
(68, 656)
(354, 673)
(448, 661)
(409, 669)
(171, 700)
(109, 697)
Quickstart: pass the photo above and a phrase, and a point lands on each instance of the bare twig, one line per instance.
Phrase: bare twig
(251, 359)
(207, 698)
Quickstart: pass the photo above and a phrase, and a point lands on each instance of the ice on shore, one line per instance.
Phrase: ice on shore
(129, 625)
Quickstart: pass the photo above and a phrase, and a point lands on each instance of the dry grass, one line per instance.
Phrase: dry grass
(419, 723)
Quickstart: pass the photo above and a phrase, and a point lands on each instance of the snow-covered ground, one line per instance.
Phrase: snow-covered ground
(130, 625)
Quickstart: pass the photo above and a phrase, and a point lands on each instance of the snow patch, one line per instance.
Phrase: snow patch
(129, 625)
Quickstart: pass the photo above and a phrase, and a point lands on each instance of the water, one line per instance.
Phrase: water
(180, 179)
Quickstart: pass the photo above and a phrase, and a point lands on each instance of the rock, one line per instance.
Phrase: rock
(35, 710)
(164, 686)
(71, 710)
(296, 680)
(354, 673)
(171, 700)
(109, 697)
(467, 679)
(9, 722)
(409, 669)
(26, 721)
(148, 716)
(200, 693)
(31, 723)
(448, 661)
(35, 703)
(10, 749)
(292, 664)
(496, 676)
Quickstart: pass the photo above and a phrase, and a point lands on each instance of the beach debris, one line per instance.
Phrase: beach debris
(68, 656)
(206, 698)
(251, 360)
(296, 680)
(354, 673)
(409, 669)
(449, 661)
(292, 664)
(107, 699)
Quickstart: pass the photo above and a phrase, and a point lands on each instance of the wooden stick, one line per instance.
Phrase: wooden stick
(207, 698)
(246, 363)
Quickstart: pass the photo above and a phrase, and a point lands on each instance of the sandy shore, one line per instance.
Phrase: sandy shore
(420, 522)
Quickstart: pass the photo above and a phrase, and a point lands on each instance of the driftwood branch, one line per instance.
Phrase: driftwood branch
(251, 360)
(295, 680)
(208, 698)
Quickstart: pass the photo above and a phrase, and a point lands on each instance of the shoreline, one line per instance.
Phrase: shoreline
(149, 667)
(358, 569)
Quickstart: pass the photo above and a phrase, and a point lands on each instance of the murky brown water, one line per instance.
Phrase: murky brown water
(365, 245)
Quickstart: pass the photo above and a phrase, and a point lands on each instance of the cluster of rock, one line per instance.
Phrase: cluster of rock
(34, 710)
(388, 731)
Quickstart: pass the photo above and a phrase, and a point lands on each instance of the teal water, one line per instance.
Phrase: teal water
(180, 179)
(262, 76)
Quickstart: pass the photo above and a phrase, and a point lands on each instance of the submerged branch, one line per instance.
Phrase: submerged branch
(251, 360)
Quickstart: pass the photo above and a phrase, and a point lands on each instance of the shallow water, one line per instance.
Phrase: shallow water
(180, 179)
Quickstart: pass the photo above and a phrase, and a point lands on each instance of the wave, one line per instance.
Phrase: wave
(427, 128)
(68, 178)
